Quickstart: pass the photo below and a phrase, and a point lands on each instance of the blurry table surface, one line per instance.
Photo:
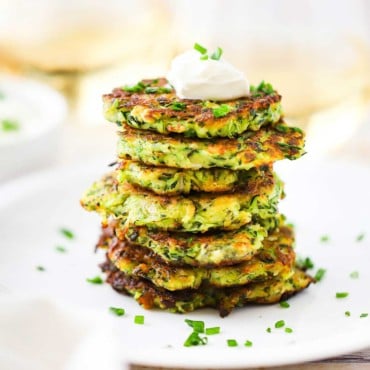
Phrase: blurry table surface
(82, 144)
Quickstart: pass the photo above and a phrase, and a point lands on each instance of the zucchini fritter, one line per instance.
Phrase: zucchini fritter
(251, 149)
(194, 213)
(172, 181)
(153, 105)
(275, 259)
(224, 299)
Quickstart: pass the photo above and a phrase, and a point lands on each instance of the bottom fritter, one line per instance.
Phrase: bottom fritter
(224, 299)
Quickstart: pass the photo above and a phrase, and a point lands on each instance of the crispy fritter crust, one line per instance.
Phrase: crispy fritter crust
(251, 149)
(223, 299)
(163, 112)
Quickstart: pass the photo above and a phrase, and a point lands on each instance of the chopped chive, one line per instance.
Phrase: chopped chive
(212, 331)
(248, 343)
(341, 294)
(268, 330)
(117, 311)
(360, 237)
(279, 324)
(354, 275)
(95, 280)
(67, 233)
(198, 326)
(139, 87)
(284, 304)
(204, 57)
(324, 239)
(263, 87)
(288, 330)
(139, 319)
(60, 249)
(232, 343)
(194, 339)
(221, 110)
(320, 273)
(8, 125)
(364, 315)
(157, 90)
(40, 268)
(305, 263)
(347, 313)
(217, 54)
(177, 106)
(201, 49)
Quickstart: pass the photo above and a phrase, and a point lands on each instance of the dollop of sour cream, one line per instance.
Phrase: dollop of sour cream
(209, 79)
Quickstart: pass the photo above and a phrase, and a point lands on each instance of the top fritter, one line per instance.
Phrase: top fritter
(153, 105)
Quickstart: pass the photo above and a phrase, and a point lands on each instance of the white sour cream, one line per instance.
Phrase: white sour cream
(209, 79)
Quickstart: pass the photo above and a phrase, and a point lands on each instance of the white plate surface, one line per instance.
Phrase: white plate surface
(322, 198)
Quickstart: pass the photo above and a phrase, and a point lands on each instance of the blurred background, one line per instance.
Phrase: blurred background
(316, 53)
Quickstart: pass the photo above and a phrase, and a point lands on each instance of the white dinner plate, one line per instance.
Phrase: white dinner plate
(322, 199)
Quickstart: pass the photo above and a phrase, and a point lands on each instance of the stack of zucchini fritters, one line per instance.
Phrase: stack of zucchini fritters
(190, 214)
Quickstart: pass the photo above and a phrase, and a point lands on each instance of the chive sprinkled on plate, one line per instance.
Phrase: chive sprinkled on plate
(248, 343)
(40, 268)
(194, 339)
(347, 313)
(213, 331)
(268, 330)
(324, 238)
(284, 304)
(360, 237)
(288, 330)
(60, 249)
(320, 273)
(354, 275)
(364, 315)
(118, 311)
(232, 343)
(67, 233)
(95, 280)
(305, 263)
(279, 324)
(9, 125)
(139, 319)
(197, 326)
(341, 294)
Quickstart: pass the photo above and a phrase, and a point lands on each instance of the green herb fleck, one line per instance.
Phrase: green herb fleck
(347, 313)
(232, 343)
(9, 125)
(139, 87)
(324, 239)
(341, 294)
(221, 110)
(157, 90)
(60, 249)
(213, 331)
(305, 263)
(139, 319)
(40, 268)
(354, 275)
(360, 237)
(177, 106)
(263, 87)
(217, 54)
(320, 273)
(284, 304)
(288, 330)
(201, 49)
(248, 343)
(198, 326)
(194, 339)
(117, 311)
(67, 233)
(364, 315)
(204, 57)
(95, 280)
(279, 324)
(268, 330)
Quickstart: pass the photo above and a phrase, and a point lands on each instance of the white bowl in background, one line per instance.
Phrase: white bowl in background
(41, 112)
